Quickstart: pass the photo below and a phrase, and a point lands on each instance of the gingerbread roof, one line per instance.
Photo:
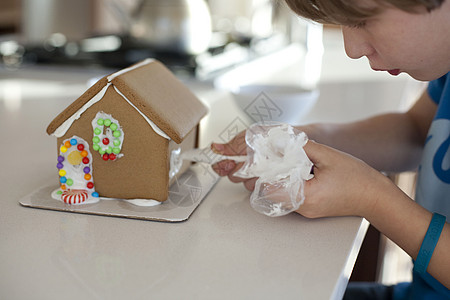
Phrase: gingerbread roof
(155, 92)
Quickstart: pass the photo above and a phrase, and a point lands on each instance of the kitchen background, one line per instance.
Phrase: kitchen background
(224, 42)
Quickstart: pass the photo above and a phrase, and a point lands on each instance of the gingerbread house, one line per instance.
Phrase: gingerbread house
(116, 140)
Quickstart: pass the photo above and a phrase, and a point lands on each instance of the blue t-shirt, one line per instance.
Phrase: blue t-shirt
(433, 185)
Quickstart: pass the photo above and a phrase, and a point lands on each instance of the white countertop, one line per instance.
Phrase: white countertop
(225, 250)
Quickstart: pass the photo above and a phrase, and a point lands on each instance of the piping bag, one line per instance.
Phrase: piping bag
(276, 157)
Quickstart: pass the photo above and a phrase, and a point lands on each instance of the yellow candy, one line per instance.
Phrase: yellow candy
(63, 149)
(74, 158)
(62, 172)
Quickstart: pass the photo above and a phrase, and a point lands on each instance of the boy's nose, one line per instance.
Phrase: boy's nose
(356, 45)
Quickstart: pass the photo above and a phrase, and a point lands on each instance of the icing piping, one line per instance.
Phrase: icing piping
(108, 136)
(62, 129)
(153, 125)
(138, 65)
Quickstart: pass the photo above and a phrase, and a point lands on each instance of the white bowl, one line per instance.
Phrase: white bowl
(281, 103)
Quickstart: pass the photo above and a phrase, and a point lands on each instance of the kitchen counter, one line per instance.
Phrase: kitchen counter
(226, 250)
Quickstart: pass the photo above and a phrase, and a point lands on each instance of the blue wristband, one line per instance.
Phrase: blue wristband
(429, 243)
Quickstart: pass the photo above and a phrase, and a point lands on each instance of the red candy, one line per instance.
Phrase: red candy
(105, 141)
(85, 160)
(74, 196)
(90, 185)
(105, 156)
(112, 156)
(80, 147)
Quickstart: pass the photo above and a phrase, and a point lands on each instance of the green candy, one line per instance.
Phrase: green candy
(117, 133)
(59, 192)
(96, 147)
(116, 150)
(101, 151)
(107, 122)
(96, 139)
(100, 121)
(116, 142)
(113, 126)
(69, 182)
(97, 131)
(109, 150)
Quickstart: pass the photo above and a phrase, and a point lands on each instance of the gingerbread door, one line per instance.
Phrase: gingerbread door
(75, 172)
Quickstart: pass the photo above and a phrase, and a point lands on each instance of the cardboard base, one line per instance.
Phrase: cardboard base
(185, 194)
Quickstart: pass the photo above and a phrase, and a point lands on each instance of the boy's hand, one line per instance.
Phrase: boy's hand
(342, 185)
(235, 147)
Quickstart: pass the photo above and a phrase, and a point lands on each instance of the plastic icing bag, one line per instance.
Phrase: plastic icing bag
(275, 155)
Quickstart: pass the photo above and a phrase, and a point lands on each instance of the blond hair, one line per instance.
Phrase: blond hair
(350, 12)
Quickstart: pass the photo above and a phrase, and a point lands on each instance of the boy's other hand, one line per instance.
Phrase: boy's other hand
(235, 147)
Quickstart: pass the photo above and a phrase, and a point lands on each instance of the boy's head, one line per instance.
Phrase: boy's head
(352, 12)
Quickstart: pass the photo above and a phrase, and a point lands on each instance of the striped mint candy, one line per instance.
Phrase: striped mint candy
(74, 196)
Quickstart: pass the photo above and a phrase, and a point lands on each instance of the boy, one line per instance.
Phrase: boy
(396, 36)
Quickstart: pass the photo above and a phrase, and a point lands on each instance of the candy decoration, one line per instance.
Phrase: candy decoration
(95, 194)
(108, 136)
(74, 158)
(74, 196)
(75, 171)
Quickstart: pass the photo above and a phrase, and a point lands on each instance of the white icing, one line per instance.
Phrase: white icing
(108, 132)
(204, 155)
(143, 202)
(138, 65)
(62, 129)
(153, 125)
(175, 162)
